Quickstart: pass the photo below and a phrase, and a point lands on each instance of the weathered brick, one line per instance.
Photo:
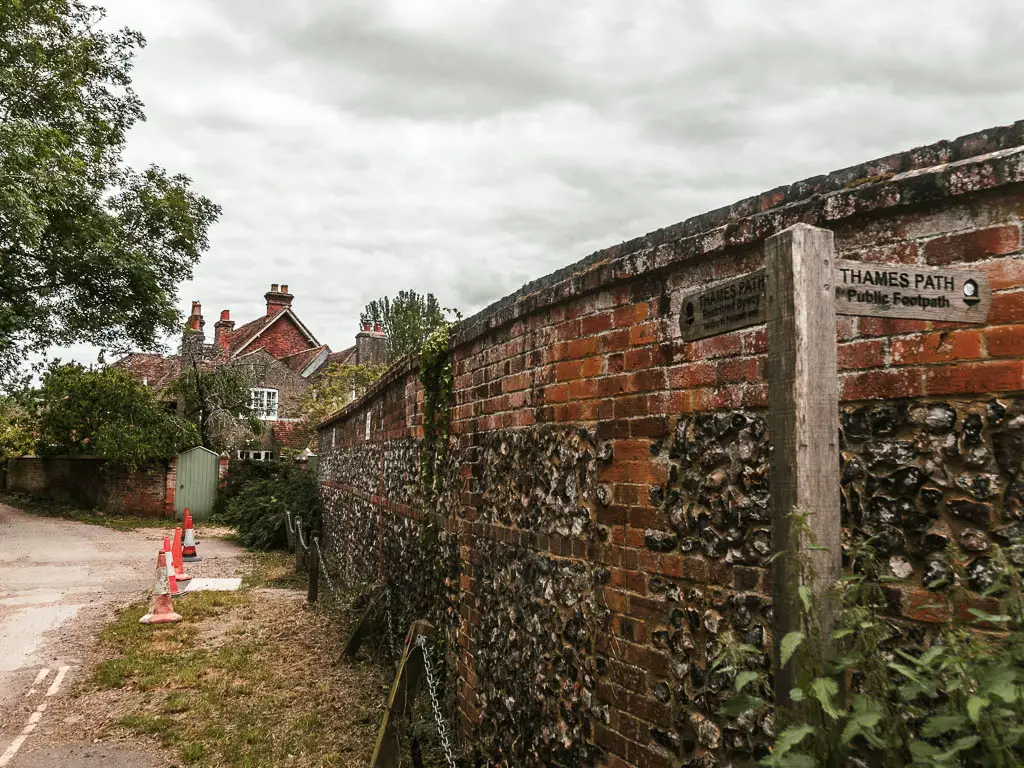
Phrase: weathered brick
(689, 375)
(724, 345)
(875, 385)
(972, 246)
(1007, 307)
(937, 347)
(889, 326)
(869, 353)
(1005, 341)
(592, 324)
(1002, 376)
(630, 315)
(921, 605)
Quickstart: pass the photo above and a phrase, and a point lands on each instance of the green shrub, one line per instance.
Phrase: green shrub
(257, 494)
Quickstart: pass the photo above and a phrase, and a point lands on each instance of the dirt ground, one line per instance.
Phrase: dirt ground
(247, 679)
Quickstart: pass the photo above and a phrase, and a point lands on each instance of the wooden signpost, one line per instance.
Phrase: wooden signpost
(803, 425)
(798, 294)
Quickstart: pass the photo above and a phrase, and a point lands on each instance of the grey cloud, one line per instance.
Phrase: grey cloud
(466, 148)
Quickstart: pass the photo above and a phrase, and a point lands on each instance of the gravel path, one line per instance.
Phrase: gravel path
(60, 583)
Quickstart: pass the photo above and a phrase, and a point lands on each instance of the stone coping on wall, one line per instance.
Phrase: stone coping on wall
(403, 366)
(976, 162)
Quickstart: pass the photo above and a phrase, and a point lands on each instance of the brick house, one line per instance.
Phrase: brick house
(283, 352)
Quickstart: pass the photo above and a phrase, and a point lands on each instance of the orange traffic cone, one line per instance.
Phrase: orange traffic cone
(179, 570)
(172, 579)
(160, 609)
(188, 546)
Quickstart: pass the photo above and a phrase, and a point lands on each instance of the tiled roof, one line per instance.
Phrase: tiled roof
(244, 333)
(345, 356)
(300, 360)
(157, 370)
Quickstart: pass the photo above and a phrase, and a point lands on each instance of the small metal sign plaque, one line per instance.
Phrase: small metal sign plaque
(738, 302)
(876, 290)
(917, 293)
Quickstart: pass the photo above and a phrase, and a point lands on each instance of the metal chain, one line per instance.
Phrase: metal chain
(288, 521)
(323, 565)
(435, 701)
(302, 539)
(389, 627)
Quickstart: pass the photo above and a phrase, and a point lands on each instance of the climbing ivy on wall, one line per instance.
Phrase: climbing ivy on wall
(437, 378)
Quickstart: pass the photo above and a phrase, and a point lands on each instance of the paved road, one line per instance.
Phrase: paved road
(59, 582)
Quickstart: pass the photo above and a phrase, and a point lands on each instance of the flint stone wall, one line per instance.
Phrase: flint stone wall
(602, 522)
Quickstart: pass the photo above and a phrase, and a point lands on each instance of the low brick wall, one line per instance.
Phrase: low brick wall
(92, 483)
(601, 522)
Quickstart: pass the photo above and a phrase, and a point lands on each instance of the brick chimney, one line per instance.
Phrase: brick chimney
(223, 329)
(193, 338)
(277, 298)
(371, 344)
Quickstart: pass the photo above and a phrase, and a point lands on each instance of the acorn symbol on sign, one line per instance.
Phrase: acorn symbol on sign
(689, 313)
(971, 296)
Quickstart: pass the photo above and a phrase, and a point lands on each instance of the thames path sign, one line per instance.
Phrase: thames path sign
(917, 293)
(876, 290)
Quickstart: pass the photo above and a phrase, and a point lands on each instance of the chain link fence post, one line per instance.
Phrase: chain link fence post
(314, 572)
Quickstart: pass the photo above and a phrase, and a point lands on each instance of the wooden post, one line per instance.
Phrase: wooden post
(803, 400)
(314, 570)
(403, 691)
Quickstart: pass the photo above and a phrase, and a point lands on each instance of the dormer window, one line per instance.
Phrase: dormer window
(264, 403)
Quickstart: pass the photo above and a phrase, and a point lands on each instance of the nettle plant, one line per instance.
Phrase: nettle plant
(860, 699)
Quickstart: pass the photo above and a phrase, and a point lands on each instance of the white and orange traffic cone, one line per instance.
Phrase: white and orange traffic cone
(188, 546)
(179, 569)
(172, 579)
(161, 611)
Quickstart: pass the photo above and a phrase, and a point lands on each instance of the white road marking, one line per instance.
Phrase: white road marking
(55, 686)
(33, 721)
(12, 750)
(43, 674)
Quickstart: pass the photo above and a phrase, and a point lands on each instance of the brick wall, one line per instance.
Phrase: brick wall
(281, 339)
(602, 517)
(91, 483)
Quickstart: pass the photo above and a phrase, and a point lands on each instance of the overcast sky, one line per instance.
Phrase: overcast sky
(465, 147)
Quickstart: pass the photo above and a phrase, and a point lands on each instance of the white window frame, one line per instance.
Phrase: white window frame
(256, 455)
(260, 399)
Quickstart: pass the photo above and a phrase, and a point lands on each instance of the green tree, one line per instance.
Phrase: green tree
(107, 412)
(90, 250)
(218, 400)
(334, 388)
(18, 428)
(407, 320)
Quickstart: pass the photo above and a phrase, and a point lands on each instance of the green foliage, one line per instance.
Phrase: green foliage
(336, 387)
(89, 249)
(107, 412)
(218, 400)
(258, 493)
(957, 702)
(18, 428)
(407, 320)
(437, 378)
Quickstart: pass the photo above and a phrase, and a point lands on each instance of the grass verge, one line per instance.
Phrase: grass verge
(248, 679)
